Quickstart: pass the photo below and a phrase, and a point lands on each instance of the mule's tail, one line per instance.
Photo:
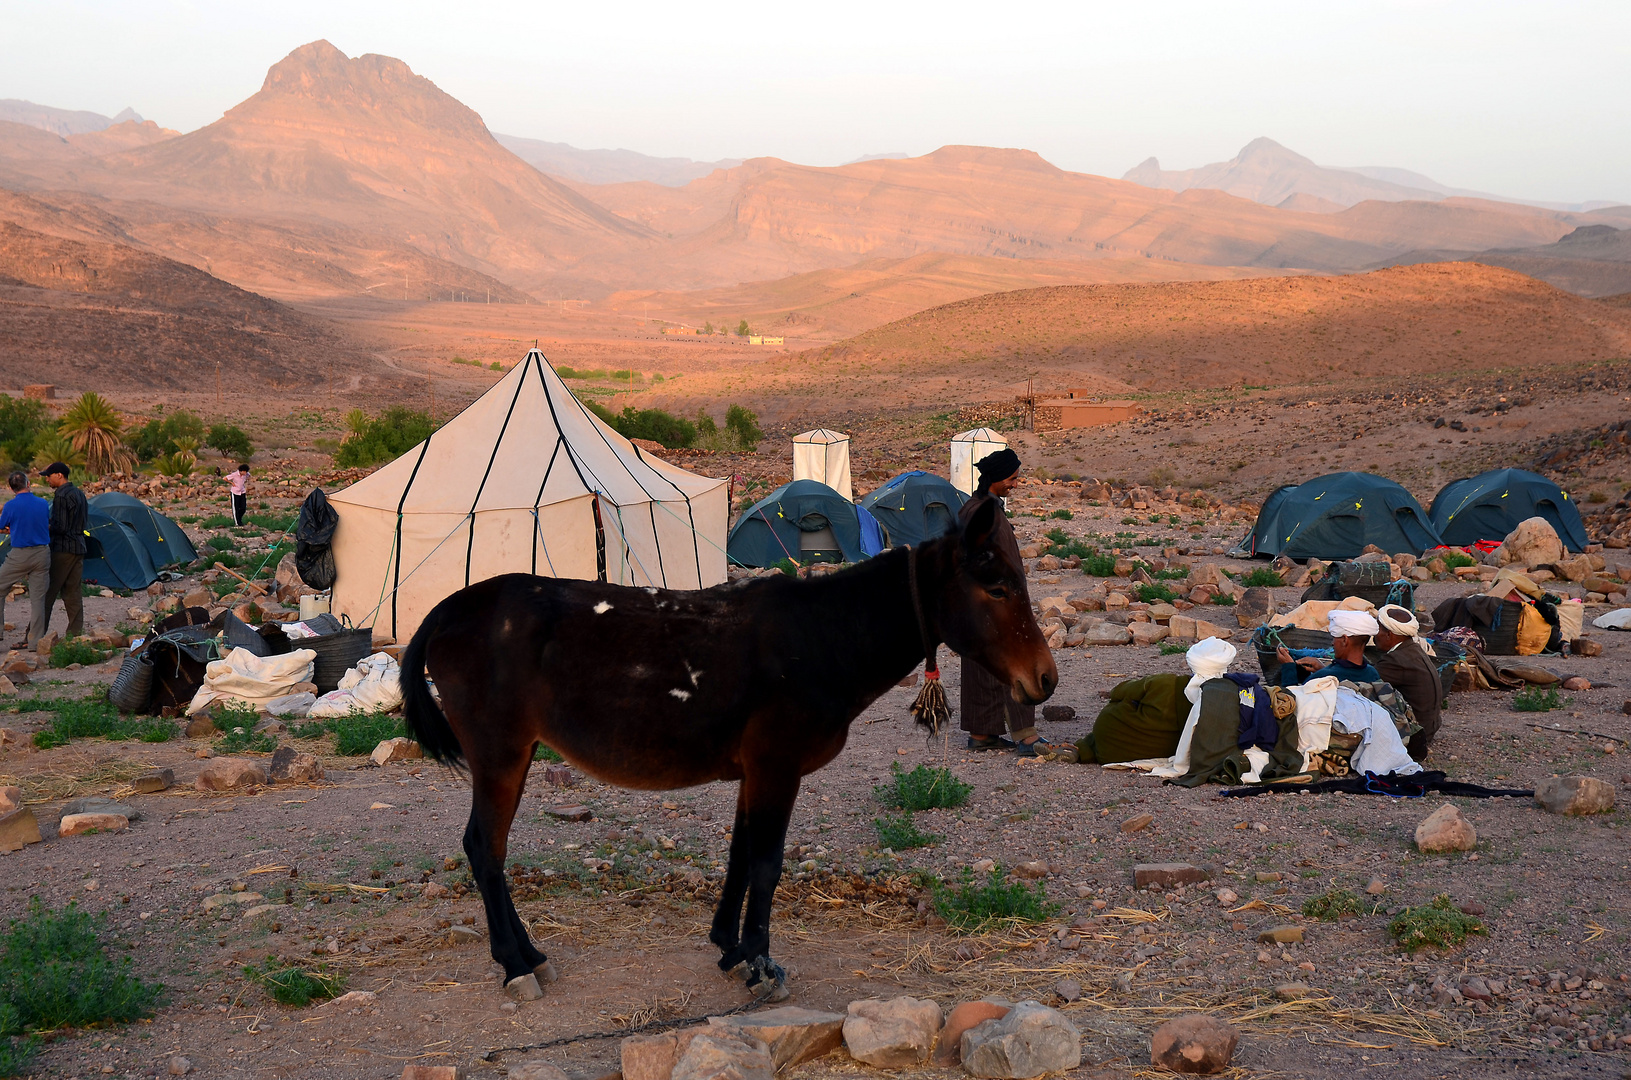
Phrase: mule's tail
(426, 721)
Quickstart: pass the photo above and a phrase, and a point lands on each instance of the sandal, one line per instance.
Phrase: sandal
(989, 742)
(1041, 748)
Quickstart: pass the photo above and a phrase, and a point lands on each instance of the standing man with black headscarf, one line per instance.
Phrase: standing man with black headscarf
(70, 514)
(989, 709)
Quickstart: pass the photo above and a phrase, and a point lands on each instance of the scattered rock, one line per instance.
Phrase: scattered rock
(221, 900)
(1574, 795)
(101, 804)
(894, 1034)
(1147, 633)
(560, 776)
(18, 828)
(222, 774)
(1584, 646)
(1167, 875)
(1058, 714)
(201, 726)
(1376, 887)
(724, 1054)
(1576, 682)
(1068, 989)
(1283, 935)
(7, 687)
(397, 749)
(1476, 989)
(432, 1072)
(1029, 1041)
(1204, 630)
(965, 1016)
(1194, 1044)
(1470, 907)
(293, 767)
(10, 799)
(653, 1057)
(792, 1034)
(536, 1069)
(154, 780)
(1135, 824)
(571, 813)
(1106, 633)
(1293, 991)
(180, 1066)
(1031, 871)
(460, 934)
(80, 824)
(1255, 607)
(351, 999)
(1533, 542)
(1227, 897)
(1446, 830)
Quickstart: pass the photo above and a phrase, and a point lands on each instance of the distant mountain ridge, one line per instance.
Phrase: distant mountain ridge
(60, 121)
(1266, 172)
(608, 166)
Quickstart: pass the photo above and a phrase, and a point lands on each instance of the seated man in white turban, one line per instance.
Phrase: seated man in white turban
(1412, 672)
(1350, 632)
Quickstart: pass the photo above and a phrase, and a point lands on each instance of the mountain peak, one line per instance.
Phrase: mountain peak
(317, 75)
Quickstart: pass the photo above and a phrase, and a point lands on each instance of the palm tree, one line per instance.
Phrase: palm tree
(96, 431)
(52, 448)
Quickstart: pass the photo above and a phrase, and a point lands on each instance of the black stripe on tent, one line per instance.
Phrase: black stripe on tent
(539, 498)
(470, 545)
(396, 563)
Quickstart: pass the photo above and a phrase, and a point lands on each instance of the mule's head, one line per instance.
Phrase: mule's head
(985, 610)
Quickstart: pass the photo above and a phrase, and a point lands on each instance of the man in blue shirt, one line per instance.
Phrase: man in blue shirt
(1350, 632)
(27, 518)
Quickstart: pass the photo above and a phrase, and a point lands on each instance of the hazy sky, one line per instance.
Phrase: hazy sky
(1524, 99)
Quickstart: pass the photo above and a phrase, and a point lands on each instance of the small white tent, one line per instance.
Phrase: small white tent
(823, 456)
(967, 448)
(524, 480)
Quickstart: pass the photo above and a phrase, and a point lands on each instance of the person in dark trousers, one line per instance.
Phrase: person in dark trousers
(989, 710)
(70, 514)
(239, 484)
(27, 519)
(1411, 670)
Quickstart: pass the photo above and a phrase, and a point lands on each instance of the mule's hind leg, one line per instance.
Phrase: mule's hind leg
(727, 926)
(496, 792)
(768, 805)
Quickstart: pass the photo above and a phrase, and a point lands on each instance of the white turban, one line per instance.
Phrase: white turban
(1402, 622)
(1208, 658)
(1352, 623)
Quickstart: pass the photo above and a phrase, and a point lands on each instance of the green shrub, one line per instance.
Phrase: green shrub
(1263, 578)
(745, 425)
(64, 653)
(1333, 904)
(160, 436)
(216, 521)
(89, 718)
(1438, 924)
(923, 788)
(1065, 546)
(1537, 699)
(221, 543)
(1173, 648)
(1223, 601)
(495, 366)
(1155, 592)
(355, 734)
(545, 753)
(56, 973)
(1062, 514)
(231, 441)
(1171, 573)
(276, 523)
(23, 423)
(294, 985)
(653, 424)
(1452, 558)
(786, 566)
(970, 905)
(389, 435)
(901, 833)
(242, 737)
(1099, 565)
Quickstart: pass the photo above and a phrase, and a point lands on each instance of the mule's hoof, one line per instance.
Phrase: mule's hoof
(739, 972)
(766, 979)
(546, 973)
(523, 988)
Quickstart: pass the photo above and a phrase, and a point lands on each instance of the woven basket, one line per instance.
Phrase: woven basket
(336, 654)
(1501, 639)
(133, 685)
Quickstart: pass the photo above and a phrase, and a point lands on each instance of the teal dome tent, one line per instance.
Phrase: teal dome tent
(804, 521)
(1338, 516)
(1490, 505)
(166, 544)
(915, 506)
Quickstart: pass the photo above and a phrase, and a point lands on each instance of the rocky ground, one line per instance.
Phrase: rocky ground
(362, 873)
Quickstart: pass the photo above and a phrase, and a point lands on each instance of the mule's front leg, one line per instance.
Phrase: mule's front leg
(495, 796)
(769, 805)
(726, 931)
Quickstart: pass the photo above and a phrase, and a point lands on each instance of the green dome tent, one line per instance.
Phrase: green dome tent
(915, 506)
(115, 557)
(805, 521)
(1490, 505)
(1337, 516)
(166, 544)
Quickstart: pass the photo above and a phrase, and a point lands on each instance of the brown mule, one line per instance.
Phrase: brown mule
(650, 689)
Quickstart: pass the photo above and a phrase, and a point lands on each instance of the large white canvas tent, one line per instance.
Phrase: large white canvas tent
(523, 480)
(968, 447)
(823, 456)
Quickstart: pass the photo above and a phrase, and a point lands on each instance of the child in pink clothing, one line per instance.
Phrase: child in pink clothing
(240, 494)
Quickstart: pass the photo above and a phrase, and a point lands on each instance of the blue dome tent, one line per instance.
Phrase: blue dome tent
(804, 521)
(1490, 505)
(1337, 516)
(166, 544)
(915, 506)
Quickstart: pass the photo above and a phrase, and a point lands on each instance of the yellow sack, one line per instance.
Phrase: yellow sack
(1533, 632)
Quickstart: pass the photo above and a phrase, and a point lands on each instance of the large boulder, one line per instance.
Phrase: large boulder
(969, 1014)
(1255, 607)
(1532, 543)
(1446, 830)
(793, 1034)
(1194, 1044)
(724, 1054)
(18, 828)
(1574, 795)
(1030, 1040)
(1107, 633)
(895, 1034)
(223, 774)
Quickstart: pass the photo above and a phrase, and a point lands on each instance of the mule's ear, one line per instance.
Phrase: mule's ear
(977, 533)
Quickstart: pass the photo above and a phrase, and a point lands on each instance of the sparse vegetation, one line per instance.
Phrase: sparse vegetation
(161, 435)
(1099, 565)
(923, 788)
(1452, 558)
(1333, 904)
(901, 833)
(90, 718)
(230, 441)
(1062, 514)
(1537, 699)
(354, 735)
(1262, 578)
(23, 423)
(1155, 592)
(1173, 648)
(390, 434)
(294, 985)
(77, 651)
(1436, 924)
(971, 905)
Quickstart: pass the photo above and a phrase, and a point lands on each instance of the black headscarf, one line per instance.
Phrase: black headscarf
(996, 467)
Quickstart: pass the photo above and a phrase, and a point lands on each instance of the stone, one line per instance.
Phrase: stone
(1167, 875)
(1058, 714)
(221, 900)
(724, 1054)
(1576, 570)
(18, 828)
(1597, 584)
(250, 612)
(1194, 1044)
(1376, 887)
(1533, 543)
(1255, 607)
(1068, 989)
(1282, 935)
(180, 1066)
(968, 1015)
(1029, 1041)
(1574, 795)
(80, 824)
(352, 999)
(1293, 991)
(291, 766)
(1181, 628)
(1576, 683)
(7, 687)
(1031, 871)
(570, 813)
(536, 1069)
(223, 774)
(1116, 601)
(198, 598)
(432, 1072)
(101, 804)
(1137, 823)
(1204, 630)
(560, 776)
(1106, 633)
(793, 1034)
(895, 1034)
(154, 780)
(397, 749)
(653, 1057)
(201, 726)
(1206, 574)
(460, 934)
(1226, 896)
(1476, 989)
(1446, 830)
(1584, 646)
(1147, 633)
(10, 799)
